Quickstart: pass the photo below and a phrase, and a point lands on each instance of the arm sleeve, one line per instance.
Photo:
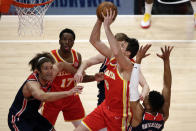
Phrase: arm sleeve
(134, 82)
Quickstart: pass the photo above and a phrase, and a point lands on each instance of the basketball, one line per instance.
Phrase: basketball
(102, 8)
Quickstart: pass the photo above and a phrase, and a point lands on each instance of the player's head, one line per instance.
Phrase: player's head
(154, 101)
(43, 63)
(66, 40)
(120, 36)
(131, 46)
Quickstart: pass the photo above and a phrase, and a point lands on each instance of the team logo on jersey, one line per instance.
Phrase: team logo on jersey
(110, 74)
(63, 73)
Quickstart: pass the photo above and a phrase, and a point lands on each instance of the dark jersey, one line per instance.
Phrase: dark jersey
(23, 114)
(150, 123)
(100, 85)
(23, 107)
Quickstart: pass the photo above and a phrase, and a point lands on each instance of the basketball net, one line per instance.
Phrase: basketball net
(31, 14)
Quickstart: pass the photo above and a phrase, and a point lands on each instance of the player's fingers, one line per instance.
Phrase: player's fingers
(147, 55)
(107, 12)
(114, 13)
(103, 15)
(147, 47)
(171, 48)
(162, 50)
(81, 79)
(111, 13)
(159, 55)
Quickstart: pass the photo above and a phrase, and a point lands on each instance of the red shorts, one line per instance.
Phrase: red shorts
(70, 106)
(101, 117)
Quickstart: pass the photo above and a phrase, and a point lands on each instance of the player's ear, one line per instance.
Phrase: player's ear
(127, 53)
(36, 70)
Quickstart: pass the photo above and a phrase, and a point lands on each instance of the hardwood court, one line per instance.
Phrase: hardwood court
(14, 57)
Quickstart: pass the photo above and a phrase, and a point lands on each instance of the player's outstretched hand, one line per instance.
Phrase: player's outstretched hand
(76, 89)
(165, 53)
(142, 53)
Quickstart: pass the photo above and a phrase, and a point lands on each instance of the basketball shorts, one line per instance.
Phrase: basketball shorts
(71, 107)
(38, 123)
(101, 117)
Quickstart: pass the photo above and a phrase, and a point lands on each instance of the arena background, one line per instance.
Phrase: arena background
(125, 7)
(171, 25)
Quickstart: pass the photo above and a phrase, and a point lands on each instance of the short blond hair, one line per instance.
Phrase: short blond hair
(121, 36)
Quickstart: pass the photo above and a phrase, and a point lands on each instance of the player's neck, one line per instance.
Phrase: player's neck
(42, 82)
(65, 55)
(151, 112)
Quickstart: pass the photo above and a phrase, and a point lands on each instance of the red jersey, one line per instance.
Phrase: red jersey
(112, 62)
(117, 92)
(64, 81)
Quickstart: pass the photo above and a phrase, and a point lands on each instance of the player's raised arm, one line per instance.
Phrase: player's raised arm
(167, 79)
(97, 43)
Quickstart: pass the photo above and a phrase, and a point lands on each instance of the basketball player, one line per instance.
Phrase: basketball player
(146, 21)
(193, 3)
(114, 113)
(155, 110)
(71, 106)
(101, 59)
(23, 114)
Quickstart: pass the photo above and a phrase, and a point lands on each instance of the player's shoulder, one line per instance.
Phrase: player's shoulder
(53, 51)
(33, 76)
(76, 52)
(79, 55)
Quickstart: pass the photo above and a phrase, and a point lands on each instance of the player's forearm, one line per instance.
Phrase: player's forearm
(53, 96)
(83, 67)
(134, 82)
(115, 47)
(143, 83)
(167, 74)
(88, 78)
(95, 34)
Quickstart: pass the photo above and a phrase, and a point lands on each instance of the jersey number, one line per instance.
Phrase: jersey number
(66, 82)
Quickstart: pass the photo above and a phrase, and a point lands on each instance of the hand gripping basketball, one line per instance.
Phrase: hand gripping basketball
(103, 7)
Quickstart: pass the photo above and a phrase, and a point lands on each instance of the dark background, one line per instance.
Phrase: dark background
(158, 8)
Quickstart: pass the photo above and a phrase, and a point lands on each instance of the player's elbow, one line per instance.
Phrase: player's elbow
(43, 97)
(116, 53)
(92, 40)
(166, 116)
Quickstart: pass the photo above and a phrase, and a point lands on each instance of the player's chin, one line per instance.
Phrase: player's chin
(49, 78)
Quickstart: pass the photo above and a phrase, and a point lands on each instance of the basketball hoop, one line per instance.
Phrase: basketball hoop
(31, 14)
(5, 6)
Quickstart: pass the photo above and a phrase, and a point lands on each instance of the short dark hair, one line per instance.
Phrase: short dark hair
(66, 30)
(40, 58)
(133, 46)
(156, 100)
